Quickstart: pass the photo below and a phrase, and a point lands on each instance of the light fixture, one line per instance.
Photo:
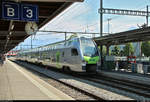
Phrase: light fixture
(12, 27)
(8, 38)
(10, 33)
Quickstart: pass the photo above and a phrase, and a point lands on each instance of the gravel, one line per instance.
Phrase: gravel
(91, 87)
(69, 91)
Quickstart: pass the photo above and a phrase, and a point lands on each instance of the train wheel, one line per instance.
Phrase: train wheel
(63, 68)
(66, 69)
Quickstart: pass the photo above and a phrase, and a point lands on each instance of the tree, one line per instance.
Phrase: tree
(128, 49)
(146, 48)
(104, 50)
(121, 53)
(116, 50)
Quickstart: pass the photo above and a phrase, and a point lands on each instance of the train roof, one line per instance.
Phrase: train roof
(72, 36)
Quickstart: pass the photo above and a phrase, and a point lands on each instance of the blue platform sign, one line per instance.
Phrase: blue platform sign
(29, 12)
(10, 11)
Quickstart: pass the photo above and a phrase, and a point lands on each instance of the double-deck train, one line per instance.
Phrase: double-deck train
(79, 54)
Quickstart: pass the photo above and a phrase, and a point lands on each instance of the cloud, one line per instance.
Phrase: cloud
(68, 17)
(123, 24)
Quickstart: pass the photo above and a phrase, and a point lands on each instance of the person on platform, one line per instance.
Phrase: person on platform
(2, 59)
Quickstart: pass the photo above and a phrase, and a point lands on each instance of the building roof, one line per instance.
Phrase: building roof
(137, 35)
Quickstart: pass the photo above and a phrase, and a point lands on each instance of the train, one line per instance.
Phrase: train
(79, 54)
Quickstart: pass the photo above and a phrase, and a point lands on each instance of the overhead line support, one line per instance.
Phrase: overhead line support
(147, 15)
(123, 12)
(101, 29)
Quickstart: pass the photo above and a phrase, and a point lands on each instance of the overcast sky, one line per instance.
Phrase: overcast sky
(84, 16)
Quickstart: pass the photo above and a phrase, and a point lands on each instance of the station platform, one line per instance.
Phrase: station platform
(135, 77)
(16, 83)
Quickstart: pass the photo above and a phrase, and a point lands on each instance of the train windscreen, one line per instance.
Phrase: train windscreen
(88, 47)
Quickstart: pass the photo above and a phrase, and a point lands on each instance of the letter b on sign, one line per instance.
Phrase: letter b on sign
(10, 11)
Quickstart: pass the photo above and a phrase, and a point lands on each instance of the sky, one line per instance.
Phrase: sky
(84, 17)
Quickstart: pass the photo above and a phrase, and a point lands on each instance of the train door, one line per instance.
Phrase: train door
(67, 57)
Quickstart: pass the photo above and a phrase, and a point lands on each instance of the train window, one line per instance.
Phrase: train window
(76, 40)
(74, 52)
(63, 54)
(69, 42)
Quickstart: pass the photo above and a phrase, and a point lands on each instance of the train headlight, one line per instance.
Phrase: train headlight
(84, 63)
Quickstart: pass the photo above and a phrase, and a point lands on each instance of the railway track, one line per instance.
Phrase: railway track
(125, 85)
(66, 84)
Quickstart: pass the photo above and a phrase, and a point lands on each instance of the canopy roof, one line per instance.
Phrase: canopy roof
(48, 9)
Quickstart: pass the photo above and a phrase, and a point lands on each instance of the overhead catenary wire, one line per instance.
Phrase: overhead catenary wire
(86, 25)
(63, 32)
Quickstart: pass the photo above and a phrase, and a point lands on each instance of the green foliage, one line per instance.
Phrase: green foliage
(121, 53)
(104, 51)
(116, 50)
(146, 48)
(128, 49)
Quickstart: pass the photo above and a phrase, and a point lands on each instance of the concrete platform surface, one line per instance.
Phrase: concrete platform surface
(16, 83)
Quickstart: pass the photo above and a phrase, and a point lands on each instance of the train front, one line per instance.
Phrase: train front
(90, 55)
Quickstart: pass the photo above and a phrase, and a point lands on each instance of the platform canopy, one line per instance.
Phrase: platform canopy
(136, 35)
(12, 32)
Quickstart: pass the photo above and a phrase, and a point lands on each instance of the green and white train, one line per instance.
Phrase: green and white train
(78, 54)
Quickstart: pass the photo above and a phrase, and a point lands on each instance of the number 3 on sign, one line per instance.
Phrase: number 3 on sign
(29, 13)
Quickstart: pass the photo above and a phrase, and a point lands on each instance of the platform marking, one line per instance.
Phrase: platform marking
(42, 88)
